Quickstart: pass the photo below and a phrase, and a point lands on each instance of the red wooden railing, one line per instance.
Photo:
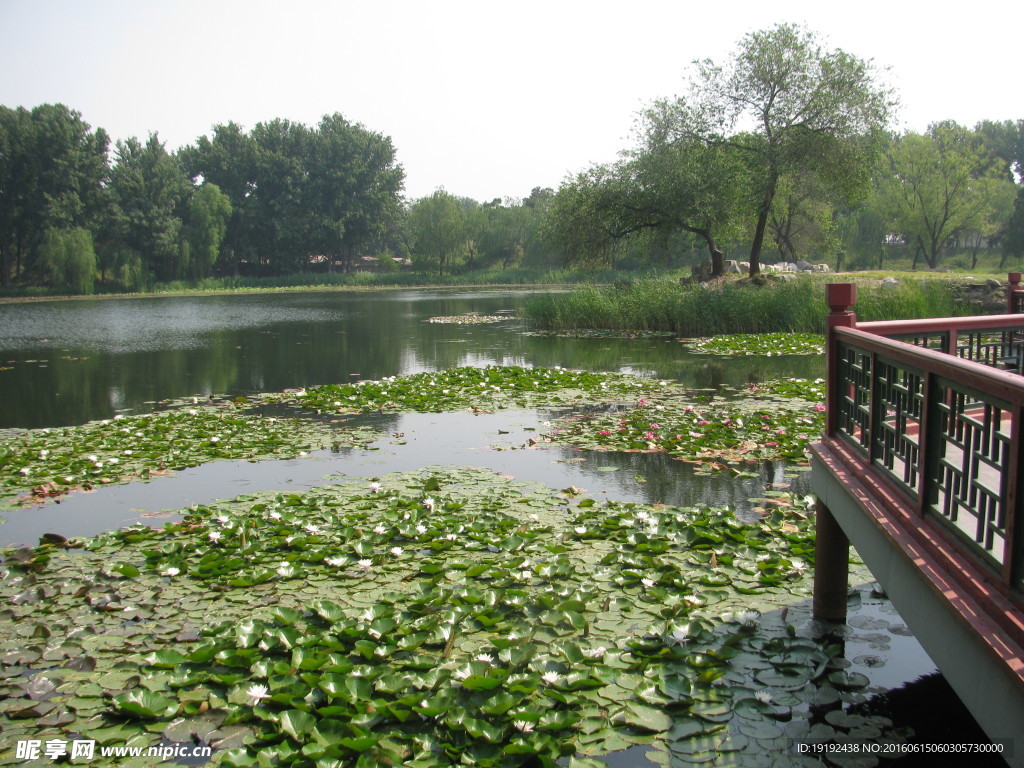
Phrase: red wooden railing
(932, 410)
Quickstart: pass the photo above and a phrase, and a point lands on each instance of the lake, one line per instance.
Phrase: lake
(69, 362)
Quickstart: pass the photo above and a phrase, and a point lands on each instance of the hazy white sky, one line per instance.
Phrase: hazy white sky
(485, 99)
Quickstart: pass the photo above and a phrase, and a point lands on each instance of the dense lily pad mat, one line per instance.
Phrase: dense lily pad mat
(50, 462)
(773, 420)
(446, 617)
(486, 388)
(766, 344)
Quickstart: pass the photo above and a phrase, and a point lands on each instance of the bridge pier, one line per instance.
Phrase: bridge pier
(831, 566)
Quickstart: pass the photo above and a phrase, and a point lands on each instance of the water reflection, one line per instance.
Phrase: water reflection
(68, 362)
(497, 441)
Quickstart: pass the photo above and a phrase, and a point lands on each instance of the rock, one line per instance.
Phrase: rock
(890, 282)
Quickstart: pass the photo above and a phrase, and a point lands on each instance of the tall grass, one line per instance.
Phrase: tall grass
(701, 310)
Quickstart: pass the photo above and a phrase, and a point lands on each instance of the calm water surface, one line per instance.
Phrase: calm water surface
(68, 362)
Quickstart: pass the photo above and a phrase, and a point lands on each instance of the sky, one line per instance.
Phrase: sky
(484, 99)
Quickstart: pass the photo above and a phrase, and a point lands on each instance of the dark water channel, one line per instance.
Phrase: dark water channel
(69, 362)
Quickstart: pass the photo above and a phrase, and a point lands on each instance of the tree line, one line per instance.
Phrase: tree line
(784, 148)
(787, 144)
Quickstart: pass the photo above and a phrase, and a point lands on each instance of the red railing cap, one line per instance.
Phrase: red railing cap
(840, 296)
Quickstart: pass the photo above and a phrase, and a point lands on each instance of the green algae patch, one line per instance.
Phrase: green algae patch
(43, 463)
(434, 618)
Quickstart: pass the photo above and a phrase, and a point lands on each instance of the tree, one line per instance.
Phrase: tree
(53, 168)
(790, 106)
(940, 184)
(209, 211)
(150, 190)
(353, 188)
(438, 224)
(68, 260)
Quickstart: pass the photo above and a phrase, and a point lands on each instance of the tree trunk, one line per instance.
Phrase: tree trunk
(762, 225)
(755, 247)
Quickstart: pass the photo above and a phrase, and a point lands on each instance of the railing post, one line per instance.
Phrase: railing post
(1011, 292)
(831, 545)
(840, 298)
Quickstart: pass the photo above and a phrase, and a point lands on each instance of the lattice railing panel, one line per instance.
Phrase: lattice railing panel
(898, 404)
(973, 457)
(854, 398)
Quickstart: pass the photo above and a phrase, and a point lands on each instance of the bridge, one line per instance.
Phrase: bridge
(920, 468)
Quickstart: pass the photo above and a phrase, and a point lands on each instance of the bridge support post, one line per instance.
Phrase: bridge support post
(831, 567)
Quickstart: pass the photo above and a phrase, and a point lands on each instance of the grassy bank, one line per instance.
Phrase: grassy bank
(355, 280)
(701, 310)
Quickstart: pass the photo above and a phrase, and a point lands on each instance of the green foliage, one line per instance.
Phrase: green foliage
(766, 344)
(941, 183)
(67, 259)
(695, 310)
(773, 420)
(438, 227)
(48, 463)
(813, 112)
(52, 171)
(428, 619)
(209, 211)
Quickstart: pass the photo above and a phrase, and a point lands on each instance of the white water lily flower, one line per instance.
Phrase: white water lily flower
(69, 479)
(748, 618)
(312, 529)
(799, 566)
(421, 529)
(23, 471)
(284, 569)
(461, 674)
(374, 487)
(648, 582)
(257, 693)
(485, 657)
(223, 519)
(551, 677)
(679, 636)
(429, 503)
(596, 653)
(215, 536)
(396, 551)
(523, 726)
(336, 561)
(764, 697)
(581, 529)
(274, 515)
(364, 563)
(172, 571)
(693, 600)
(452, 537)
(380, 530)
